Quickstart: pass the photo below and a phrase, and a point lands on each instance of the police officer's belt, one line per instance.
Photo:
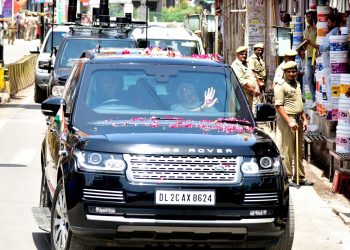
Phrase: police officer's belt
(297, 117)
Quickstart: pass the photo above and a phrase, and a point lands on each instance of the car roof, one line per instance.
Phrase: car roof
(161, 60)
(165, 33)
(59, 28)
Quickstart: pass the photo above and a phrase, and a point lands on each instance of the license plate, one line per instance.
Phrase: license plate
(185, 197)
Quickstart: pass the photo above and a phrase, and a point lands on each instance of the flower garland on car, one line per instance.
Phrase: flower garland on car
(204, 125)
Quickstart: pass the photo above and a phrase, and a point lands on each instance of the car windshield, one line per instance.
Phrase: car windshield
(186, 47)
(73, 48)
(57, 39)
(166, 92)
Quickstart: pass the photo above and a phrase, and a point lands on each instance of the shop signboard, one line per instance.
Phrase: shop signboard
(6, 10)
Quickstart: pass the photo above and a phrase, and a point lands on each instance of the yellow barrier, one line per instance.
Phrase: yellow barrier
(21, 73)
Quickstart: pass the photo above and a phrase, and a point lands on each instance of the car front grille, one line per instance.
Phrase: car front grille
(183, 169)
(103, 195)
(261, 198)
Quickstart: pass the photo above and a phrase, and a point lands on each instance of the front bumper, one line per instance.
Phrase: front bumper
(137, 221)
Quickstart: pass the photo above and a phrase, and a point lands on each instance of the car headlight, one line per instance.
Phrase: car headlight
(100, 162)
(267, 166)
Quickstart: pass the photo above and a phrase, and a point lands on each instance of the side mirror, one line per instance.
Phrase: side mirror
(50, 106)
(45, 66)
(62, 79)
(37, 51)
(265, 112)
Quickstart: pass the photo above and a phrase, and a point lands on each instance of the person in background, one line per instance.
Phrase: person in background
(289, 55)
(333, 27)
(301, 68)
(11, 32)
(286, 19)
(290, 117)
(310, 34)
(198, 33)
(245, 75)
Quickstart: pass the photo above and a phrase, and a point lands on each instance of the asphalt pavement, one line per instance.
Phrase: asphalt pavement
(15, 52)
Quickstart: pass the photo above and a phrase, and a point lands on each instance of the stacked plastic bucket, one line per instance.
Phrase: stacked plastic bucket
(297, 29)
(323, 92)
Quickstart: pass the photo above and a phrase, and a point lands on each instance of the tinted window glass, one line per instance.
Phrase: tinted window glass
(110, 91)
(186, 47)
(73, 48)
(57, 39)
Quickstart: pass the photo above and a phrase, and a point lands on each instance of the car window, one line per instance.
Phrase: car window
(70, 89)
(72, 48)
(112, 91)
(57, 39)
(187, 48)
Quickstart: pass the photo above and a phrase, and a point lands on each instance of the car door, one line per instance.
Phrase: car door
(55, 143)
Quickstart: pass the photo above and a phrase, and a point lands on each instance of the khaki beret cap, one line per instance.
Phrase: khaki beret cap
(290, 52)
(289, 65)
(258, 45)
(197, 31)
(241, 48)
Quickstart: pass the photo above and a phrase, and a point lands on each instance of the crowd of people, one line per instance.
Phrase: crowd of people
(26, 25)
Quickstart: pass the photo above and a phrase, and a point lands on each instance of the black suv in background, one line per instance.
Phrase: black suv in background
(79, 39)
(137, 156)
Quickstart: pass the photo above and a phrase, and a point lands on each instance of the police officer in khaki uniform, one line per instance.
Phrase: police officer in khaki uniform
(11, 31)
(257, 64)
(289, 55)
(291, 117)
(245, 75)
(27, 25)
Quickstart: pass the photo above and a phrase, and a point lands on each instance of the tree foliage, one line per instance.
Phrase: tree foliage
(179, 12)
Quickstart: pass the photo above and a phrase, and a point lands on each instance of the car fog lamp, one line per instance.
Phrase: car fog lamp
(115, 164)
(95, 158)
(250, 168)
(265, 162)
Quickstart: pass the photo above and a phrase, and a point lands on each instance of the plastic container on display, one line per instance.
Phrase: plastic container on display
(327, 105)
(335, 85)
(344, 84)
(319, 63)
(312, 4)
(322, 29)
(342, 139)
(343, 112)
(339, 61)
(297, 38)
(335, 110)
(322, 13)
(297, 27)
(296, 19)
(319, 80)
(344, 30)
(338, 43)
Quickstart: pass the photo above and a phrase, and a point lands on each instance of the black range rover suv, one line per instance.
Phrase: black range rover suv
(137, 165)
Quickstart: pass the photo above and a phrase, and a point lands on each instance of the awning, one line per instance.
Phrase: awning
(340, 5)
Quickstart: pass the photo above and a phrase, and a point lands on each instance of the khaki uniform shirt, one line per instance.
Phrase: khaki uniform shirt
(258, 66)
(311, 34)
(279, 73)
(289, 96)
(244, 74)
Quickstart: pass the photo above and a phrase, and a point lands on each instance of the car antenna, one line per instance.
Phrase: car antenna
(98, 47)
(146, 22)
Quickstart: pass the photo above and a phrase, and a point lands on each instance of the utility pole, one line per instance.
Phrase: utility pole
(72, 10)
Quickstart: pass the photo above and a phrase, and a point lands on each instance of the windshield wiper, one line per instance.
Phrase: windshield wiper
(233, 120)
(166, 118)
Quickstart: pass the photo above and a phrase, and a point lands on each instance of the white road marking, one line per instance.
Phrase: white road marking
(23, 157)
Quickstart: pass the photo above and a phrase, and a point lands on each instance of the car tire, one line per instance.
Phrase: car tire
(62, 237)
(40, 95)
(285, 242)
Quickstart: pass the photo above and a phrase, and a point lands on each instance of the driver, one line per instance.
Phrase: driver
(190, 101)
(108, 89)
